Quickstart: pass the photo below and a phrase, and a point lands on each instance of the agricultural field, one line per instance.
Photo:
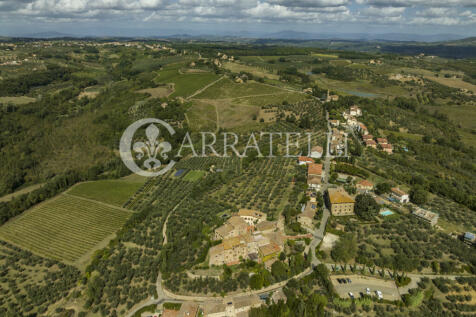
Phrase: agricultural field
(185, 84)
(404, 243)
(236, 68)
(90, 92)
(158, 92)
(227, 89)
(17, 100)
(194, 176)
(204, 163)
(265, 186)
(64, 228)
(29, 284)
(114, 192)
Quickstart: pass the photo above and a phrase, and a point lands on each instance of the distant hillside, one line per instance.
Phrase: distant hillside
(464, 48)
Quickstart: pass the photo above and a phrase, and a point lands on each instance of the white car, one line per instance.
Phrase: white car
(367, 290)
(379, 294)
(351, 295)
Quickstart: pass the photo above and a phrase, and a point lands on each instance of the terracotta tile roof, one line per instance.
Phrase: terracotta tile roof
(237, 222)
(217, 249)
(382, 140)
(370, 142)
(266, 225)
(305, 159)
(269, 249)
(317, 148)
(368, 137)
(224, 230)
(365, 183)
(230, 243)
(275, 237)
(314, 169)
(386, 146)
(251, 213)
(314, 180)
(339, 197)
(398, 191)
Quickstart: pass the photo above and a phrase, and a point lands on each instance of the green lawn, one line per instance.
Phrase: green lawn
(115, 192)
(194, 176)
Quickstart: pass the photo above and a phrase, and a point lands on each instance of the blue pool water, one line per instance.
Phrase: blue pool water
(386, 213)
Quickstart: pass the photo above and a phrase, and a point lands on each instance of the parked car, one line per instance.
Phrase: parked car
(351, 295)
(367, 290)
(349, 280)
(379, 294)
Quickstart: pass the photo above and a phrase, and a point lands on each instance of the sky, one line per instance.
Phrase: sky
(236, 17)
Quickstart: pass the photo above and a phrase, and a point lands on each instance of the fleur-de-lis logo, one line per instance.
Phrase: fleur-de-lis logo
(152, 147)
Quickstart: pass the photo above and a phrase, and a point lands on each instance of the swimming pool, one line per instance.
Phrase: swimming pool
(386, 212)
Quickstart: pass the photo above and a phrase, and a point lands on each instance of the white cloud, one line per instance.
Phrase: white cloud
(383, 11)
(412, 3)
(446, 12)
(447, 21)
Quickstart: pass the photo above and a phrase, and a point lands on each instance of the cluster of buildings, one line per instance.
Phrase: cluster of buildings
(381, 143)
(247, 235)
(13, 60)
(225, 57)
(350, 116)
(337, 141)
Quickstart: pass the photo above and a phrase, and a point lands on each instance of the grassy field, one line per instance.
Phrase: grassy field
(236, 68)
(236, 104)
(185, 84)
(278, 98)
(202, 116)
(324, 55)
(115, 192)
(194, 176)
(158, 92)
(17, 100)
(462, 115)
(226, 88)
(64, 228)
(360, 88)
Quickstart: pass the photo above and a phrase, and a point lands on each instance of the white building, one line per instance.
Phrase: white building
(400, 195)
(316, 152)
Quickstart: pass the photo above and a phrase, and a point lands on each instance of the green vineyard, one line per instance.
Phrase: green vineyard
(64, 228)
